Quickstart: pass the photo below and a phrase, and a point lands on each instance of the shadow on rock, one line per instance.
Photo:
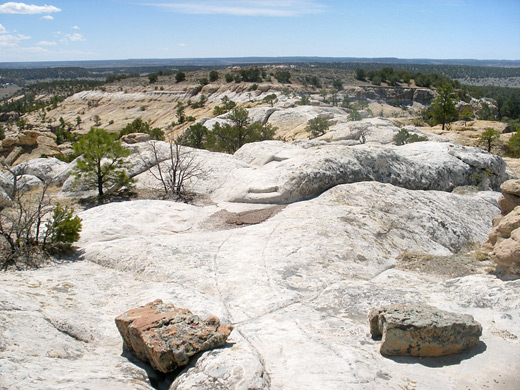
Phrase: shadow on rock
(158, 380)
(162, 381)
(72, 256)
(441, 361)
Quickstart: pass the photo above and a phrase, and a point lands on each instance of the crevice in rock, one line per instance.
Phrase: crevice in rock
(217, 284)
(268, 115)
(282, 307)
(67, 330)
(266, 375)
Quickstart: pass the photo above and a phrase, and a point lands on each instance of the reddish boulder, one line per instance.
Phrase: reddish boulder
(166, 336)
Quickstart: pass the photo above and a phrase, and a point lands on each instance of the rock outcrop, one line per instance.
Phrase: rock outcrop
(166, 336)
(49, 170)
(285, 174)
(510, 197)
(28, 145)
(280, 172)
(422, 330)
(393, 95)
(297, 288)
(503, 244)
(134, 138)
(374, 130)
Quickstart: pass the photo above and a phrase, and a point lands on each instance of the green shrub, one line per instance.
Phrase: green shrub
(157, 134)
(213, 76)
(227, 105)
(404, 137)
(137, 126)
(304, 100)
(318, 126)
(63, 229)
(338, 84)
(251, 75)
(354, 116)
(490, 137)
(283, 76)
(360, 74)
(180, 76)
(196, 136)
(270, 99)
(514, 145)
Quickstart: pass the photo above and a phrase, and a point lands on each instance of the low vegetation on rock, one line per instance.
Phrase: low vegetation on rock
(404, 137)
(318, 126)
(32, 227)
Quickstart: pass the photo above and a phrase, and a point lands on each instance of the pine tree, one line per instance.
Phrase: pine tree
(443, 108)
(102, 163)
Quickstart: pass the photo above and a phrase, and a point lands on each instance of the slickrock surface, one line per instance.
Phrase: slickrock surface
(296, 283)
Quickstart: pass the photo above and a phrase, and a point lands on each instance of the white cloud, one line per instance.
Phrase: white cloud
(245, 8)
(2, 30)
(47, 43)
(22, 8)
(75, 27)
(12, 40)
(47, 17)
(182, 44)
(76, 37)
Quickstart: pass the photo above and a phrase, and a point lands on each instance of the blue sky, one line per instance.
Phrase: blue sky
(55, 30)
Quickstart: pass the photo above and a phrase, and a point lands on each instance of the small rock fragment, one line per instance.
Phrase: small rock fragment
(166, 336)
(422, 330)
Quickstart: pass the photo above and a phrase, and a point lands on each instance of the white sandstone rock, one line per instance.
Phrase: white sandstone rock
(376, 130)
(49, 170)
(297, 289)
(294, 172)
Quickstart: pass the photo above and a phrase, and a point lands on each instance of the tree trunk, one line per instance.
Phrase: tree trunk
(99, 180)
(100, 186)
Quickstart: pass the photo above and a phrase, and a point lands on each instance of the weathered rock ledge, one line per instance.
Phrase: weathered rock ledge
(503, 244)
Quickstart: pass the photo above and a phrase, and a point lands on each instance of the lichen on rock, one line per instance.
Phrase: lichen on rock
(422, 330)
(166, 336)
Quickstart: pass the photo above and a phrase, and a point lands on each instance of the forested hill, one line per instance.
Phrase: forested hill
(254, 60)
(29, 74)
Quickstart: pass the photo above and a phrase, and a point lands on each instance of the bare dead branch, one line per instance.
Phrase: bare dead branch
(180, 168)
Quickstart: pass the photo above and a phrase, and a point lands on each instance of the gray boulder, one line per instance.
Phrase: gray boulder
(49, 170)
(422, 330)
(28, 182)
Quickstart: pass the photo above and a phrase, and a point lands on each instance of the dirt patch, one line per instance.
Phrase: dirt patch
(8, 90)
(445, 267)
(24, 259)
(227, 220)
